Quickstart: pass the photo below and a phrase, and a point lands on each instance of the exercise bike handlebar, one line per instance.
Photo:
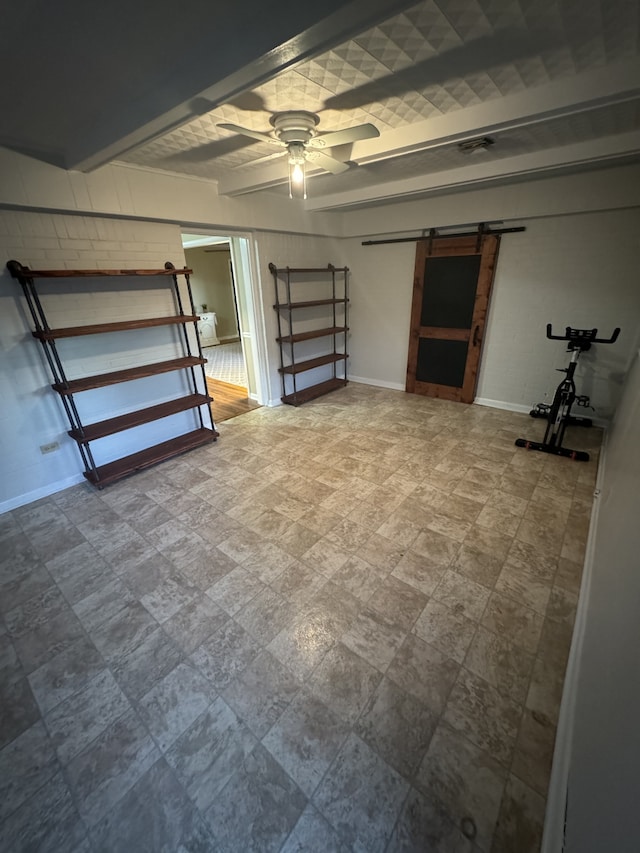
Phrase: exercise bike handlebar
(586, 335)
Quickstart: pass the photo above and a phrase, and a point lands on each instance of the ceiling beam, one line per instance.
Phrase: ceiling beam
(587, 91)
(562, 158)
(245, 48)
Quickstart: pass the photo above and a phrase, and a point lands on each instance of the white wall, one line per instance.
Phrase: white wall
(211, 283)
(580, 263)
(572, 270)
(602, 811)
(381, 292)
(578, 271)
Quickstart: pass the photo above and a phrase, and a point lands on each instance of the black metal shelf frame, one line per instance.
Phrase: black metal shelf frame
(285, 308)
(27, 278)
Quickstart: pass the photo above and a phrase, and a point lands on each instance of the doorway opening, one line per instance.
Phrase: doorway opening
(229, 327)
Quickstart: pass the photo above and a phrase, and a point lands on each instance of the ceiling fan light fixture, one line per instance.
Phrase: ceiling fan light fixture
(476, 146)
(297, 173)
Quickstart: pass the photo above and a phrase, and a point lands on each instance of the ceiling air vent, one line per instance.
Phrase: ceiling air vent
(475, 146)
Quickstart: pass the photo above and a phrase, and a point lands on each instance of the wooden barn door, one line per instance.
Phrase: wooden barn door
(451, 289)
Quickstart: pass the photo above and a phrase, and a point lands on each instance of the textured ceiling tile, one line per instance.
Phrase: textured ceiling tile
(532, 72)
(484, 87)
(433, 58)
(462, 93)
(402, 35)
(386, 50)
(441, 99)
(559, 64)
(468, 19)
(503, 13)
(507, 80)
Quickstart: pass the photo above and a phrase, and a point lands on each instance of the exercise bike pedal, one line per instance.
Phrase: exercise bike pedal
(541, 410)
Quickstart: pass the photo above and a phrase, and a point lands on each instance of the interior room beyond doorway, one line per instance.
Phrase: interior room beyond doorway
(220, 327)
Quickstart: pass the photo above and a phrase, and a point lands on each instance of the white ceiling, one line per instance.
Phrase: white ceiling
(554, 83)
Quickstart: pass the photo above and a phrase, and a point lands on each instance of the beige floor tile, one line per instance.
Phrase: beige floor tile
(476, 564)
(545, 690)
(497, 520)
(399, 530)
(506, 503)
(489, 541)
(467, 780)
(478, 492)
(501, 663)
(520, 820)
(509, 619)
(445, 630)
(462, 595)
(484, 715)
(540, 561)
(381, 552)
(524, 587)
(418, 573)
(454, 528)
(424, 672)
(548, 539)
(562, 606)
(534, 751)
(569, 575)
(435, 547)
(367, 540)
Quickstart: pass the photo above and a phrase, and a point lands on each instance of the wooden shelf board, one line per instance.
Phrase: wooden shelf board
(313, 392)
(121, 326)
(315, 333)
(103, 379)
(310, 364)
(25, 272)
(139, 417)
(329, 268)
(113, 471)
(309, 304)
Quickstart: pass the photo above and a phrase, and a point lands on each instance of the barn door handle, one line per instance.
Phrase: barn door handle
(475, 336)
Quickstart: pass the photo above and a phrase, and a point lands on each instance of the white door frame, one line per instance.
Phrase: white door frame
(248, 295)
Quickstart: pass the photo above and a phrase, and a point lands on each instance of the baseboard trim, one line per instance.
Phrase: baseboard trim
(502, 404)
(378, 383)
(524, 410)
(42, 492)
(554, 821)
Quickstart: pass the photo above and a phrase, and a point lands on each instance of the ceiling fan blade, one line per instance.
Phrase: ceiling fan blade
(341, 137)
(329, 164)
(261, 160)
(252, 134)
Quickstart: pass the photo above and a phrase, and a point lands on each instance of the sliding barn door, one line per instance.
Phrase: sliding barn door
(451, 289)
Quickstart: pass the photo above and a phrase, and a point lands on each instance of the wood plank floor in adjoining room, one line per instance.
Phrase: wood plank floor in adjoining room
(228, 400)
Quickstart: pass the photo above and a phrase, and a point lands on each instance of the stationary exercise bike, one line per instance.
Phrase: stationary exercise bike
(558, 414)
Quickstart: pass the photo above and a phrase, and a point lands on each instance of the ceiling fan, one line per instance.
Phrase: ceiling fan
(294, 131)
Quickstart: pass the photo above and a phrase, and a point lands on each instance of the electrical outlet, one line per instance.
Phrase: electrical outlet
(49, 448)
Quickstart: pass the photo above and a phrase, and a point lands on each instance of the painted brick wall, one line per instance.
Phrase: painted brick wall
(31, 413)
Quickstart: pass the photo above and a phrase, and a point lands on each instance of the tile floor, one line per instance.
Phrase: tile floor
(343, 627)
(225, 362)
